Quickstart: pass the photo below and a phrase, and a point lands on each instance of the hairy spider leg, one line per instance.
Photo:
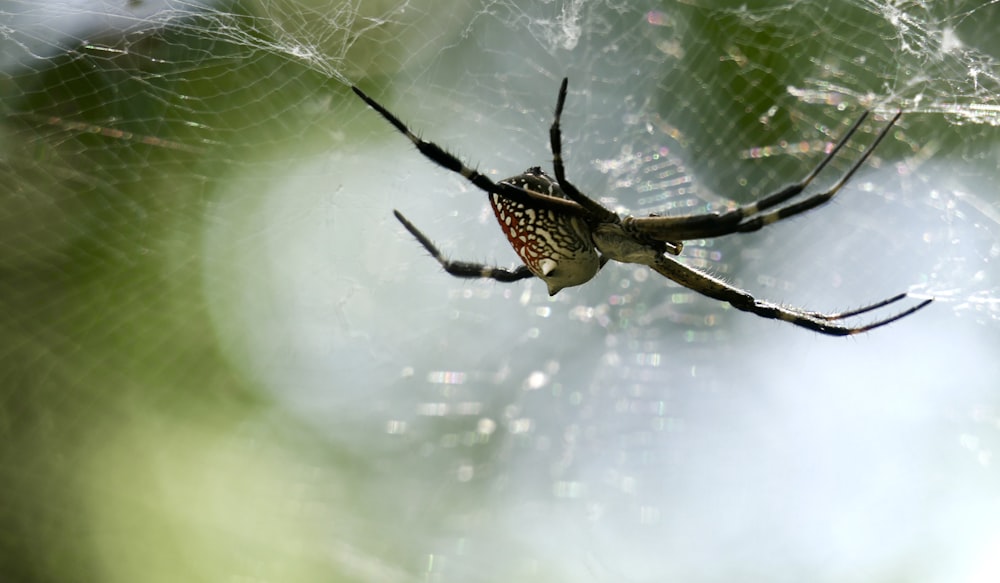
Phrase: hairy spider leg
(602, 213)
(863, 309)
(742, 300)
(464, 268)
(447, 160)
(755, 223)
(747, 218)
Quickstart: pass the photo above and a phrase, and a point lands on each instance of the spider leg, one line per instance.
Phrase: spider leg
(464, 268)
(750, 217)
(815, 200)
(862, 309)
(599, 211)
(447, 160)
(742, 300)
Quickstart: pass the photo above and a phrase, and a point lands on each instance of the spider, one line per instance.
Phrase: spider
(564, 237)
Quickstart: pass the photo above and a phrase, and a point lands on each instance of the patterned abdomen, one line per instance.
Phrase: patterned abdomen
(556, 247)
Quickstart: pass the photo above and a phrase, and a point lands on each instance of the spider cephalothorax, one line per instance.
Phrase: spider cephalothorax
(564, 237)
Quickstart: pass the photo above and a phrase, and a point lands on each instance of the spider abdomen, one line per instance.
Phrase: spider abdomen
(556, 247)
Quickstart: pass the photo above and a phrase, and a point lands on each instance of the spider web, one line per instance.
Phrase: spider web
(223, 359)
